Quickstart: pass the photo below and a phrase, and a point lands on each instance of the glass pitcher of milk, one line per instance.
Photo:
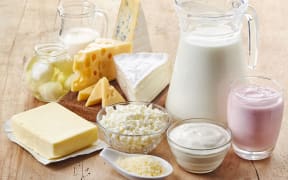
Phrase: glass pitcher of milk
(81, 23)
(209, 56)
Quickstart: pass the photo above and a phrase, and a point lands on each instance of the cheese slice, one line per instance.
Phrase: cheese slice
(142, 76)
(131, 25)
(96, 61)
(111, 96)
(85, 93)
(53, 131)
(96, 94)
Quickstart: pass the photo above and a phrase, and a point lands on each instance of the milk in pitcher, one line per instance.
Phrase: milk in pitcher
(204, 66)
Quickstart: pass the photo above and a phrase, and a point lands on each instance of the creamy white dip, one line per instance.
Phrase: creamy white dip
(199, 135)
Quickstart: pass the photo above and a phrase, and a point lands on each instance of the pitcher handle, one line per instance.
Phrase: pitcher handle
(253, 41)
(101, 13)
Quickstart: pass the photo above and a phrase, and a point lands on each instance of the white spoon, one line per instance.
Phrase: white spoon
(111, 156)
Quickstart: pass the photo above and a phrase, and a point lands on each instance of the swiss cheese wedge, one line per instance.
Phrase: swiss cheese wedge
(96, 61)
(104, 92)
(96, 94)
(110, 95)
(85, 93)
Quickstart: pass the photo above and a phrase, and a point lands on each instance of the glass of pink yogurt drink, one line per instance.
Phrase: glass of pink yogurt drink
(254, 110)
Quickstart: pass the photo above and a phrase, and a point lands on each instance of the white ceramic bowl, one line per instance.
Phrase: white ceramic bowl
(195, 159)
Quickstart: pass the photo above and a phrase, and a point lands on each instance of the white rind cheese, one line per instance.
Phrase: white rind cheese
(142, 76)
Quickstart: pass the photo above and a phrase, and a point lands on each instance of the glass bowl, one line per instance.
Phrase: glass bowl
(204, 150)
(134, 127)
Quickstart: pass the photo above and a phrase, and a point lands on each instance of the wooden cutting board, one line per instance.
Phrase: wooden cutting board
(89, 113)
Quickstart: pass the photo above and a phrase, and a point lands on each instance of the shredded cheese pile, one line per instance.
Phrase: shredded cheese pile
(141, 165)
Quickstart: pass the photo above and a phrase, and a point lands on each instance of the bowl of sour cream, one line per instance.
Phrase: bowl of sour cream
(199, 145)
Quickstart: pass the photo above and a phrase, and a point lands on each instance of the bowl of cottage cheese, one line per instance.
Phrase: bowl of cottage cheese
(133, 127)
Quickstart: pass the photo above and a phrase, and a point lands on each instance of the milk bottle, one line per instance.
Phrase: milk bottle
(209, 57)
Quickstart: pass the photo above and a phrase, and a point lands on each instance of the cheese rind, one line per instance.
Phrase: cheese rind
(142, 76)
(96, 61)
(53, 131)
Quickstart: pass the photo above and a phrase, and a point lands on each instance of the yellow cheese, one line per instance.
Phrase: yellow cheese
(96, 61)
(126, 20)
(96, 95)
(110, 95)
(85, 93)
(53, 131)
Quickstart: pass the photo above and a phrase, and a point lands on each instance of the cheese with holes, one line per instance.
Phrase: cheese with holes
(110, 96)
(142, 76)
(53, 131)
(96, 94)
(85, 93)
(96, 61)
(126, 20)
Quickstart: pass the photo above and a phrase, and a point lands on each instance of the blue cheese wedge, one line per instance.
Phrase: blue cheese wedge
(142, 76)
(53, 131)
(131, 26)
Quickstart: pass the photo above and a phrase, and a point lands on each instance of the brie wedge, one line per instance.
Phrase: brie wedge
(142, 76)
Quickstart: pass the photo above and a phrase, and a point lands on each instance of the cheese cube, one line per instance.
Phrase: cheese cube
(96, 61)
(53, 131)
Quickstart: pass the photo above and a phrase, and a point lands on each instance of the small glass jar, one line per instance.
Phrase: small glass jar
(49, 73)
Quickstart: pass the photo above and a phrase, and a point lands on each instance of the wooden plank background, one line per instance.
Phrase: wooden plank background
(24, 23)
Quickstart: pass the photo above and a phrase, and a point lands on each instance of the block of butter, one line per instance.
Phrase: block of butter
(53, 131)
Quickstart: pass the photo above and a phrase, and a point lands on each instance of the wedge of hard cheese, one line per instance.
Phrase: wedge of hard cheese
(96, 61)
(85, 93)
(110, 95)
(104, 92)
(53, 131)
(95, 96)
(142, 76)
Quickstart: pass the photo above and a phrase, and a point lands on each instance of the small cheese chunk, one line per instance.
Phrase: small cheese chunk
(142, 76)
(126, 20)
(85, 93)
(53, 131)
(96, 94)
(96, 61)
(110, 95)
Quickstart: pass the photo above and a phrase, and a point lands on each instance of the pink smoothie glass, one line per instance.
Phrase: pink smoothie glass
(254, 111)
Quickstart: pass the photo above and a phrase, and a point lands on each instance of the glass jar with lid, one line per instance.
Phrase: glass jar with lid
(49, 73)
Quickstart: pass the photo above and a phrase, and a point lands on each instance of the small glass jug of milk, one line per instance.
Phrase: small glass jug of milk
(210, 55)
(81, 23)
